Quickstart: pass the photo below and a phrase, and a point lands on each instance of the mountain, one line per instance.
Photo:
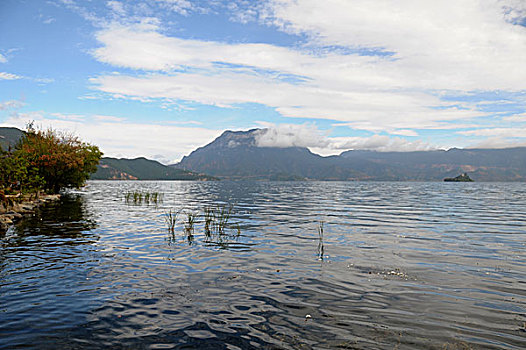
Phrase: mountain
(507, 164)
(9, 137)
(141, 169)
(236, 155)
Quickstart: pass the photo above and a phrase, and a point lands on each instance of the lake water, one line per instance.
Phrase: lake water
(404, 266)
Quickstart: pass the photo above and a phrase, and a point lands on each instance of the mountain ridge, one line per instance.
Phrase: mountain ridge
(142, 168)
(235, 155)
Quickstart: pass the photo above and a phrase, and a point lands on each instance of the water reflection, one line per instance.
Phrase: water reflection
(66, 220)
(44, 265)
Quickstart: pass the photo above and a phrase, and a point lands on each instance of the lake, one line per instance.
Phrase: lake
(398, 266)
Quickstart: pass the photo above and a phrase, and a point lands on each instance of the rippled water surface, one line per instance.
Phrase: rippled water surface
(404, 265)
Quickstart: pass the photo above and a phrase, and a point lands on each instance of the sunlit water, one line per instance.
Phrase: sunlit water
(405, 265)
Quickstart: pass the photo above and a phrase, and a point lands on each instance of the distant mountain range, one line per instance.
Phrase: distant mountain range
(142, 169)
(9, 137)
(236, 155)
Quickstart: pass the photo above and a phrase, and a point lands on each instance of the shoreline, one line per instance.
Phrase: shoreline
(10, 214)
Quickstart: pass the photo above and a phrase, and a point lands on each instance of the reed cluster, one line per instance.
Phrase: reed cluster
(139, 197)
(215, 220)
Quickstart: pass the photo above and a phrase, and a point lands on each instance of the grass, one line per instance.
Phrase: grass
(138, 197)
(321, 248)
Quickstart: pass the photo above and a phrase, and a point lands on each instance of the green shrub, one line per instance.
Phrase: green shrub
(47, 160)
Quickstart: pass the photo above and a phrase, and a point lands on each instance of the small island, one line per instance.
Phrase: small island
(461, 178)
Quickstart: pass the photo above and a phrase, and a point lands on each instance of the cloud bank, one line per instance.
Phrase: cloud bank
(291, 135)
(307, 135)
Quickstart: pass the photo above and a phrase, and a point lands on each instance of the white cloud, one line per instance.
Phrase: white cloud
(404, 132)
(117, 7)
(449, 44)
(70, 117)
(49, 20)
(183, 122)
(441, 45)
(290, 135)
(498, 142)
(180, 6)
(3, 59)
(308, 135)
(369, 92)
(160, 141)
(381, 143)
(496, 132)
(108, 118)
(380, 110)
(9, 76)
(521, 117)
(11, 104)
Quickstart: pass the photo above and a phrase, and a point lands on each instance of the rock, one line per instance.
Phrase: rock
(461, 178)
(16, 216)
(15, 212)
(6, 220)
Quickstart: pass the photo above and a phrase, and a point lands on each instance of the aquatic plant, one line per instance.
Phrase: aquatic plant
(191, 218)
(208, 214)
(321, 247)
(216, 220)
(221, 217)
(170, 217)
(137, 197)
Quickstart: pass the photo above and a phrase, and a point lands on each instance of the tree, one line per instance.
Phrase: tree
(60, 160)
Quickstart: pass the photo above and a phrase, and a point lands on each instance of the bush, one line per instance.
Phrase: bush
(48, 160)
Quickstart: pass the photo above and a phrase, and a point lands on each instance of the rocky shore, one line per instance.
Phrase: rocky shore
(14, 208)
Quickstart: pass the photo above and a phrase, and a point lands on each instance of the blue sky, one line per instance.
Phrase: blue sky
(158, 78)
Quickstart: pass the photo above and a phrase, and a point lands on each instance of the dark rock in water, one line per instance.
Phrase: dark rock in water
(461, 178)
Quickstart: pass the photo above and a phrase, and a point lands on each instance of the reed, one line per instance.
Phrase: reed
(221, 217)
(191, 219)
(138, 197)
(170, 217)
(321, 248)
(209, 215)
(216, 221)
